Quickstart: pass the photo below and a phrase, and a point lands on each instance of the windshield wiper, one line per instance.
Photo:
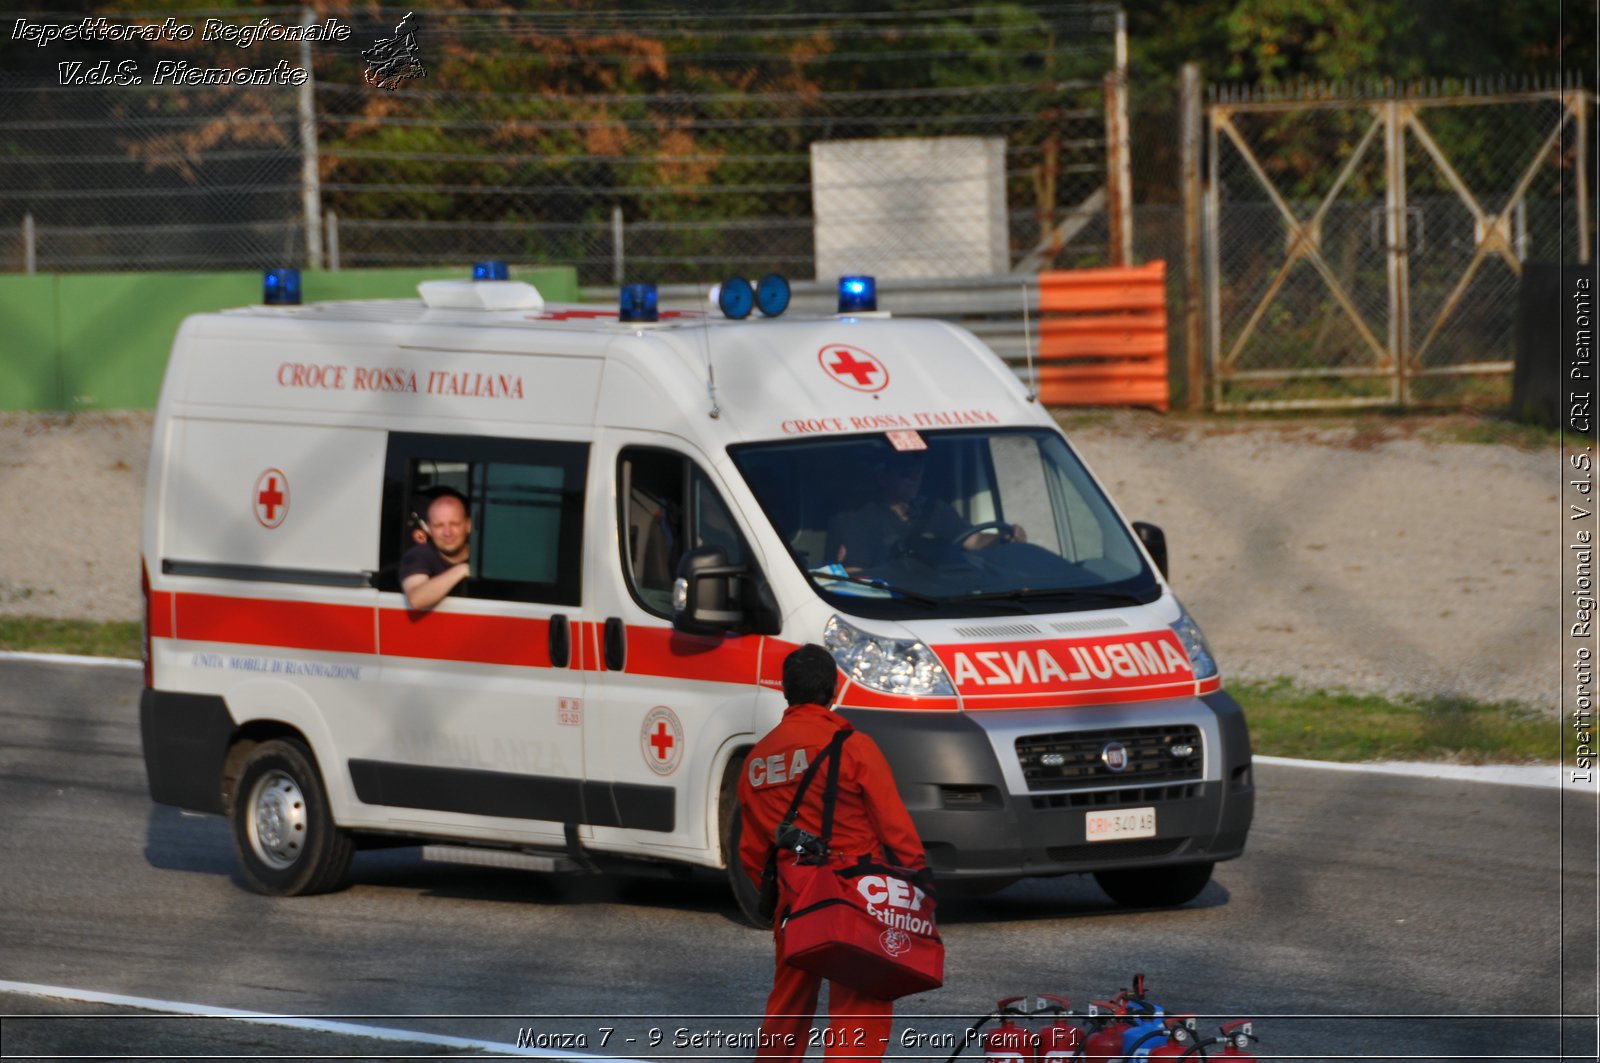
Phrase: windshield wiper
(878, 584)
(1071, 593)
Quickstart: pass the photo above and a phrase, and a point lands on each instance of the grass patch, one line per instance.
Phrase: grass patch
(1287, 720)
(91, 638)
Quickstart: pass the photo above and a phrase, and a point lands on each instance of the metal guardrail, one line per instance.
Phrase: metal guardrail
(990, 307)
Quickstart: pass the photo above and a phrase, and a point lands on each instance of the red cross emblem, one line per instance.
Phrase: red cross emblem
(272, 498)
(661, 740)
(853, 367)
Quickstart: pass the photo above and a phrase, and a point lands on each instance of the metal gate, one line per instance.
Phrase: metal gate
(1367, 249)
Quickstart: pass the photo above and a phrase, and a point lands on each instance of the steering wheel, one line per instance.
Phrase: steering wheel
(988, 525)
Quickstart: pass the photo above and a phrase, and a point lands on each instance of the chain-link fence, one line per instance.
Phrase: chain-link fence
(1366, 248)
(662, 147)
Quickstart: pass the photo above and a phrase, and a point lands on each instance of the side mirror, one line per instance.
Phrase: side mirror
(712, 597)
(1155, 541)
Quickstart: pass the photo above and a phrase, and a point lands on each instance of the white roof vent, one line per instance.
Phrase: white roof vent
(480, 295)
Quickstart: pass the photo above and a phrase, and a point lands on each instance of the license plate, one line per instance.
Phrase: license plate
(1123, 823)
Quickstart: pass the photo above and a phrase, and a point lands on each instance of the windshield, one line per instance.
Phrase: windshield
(975, 522)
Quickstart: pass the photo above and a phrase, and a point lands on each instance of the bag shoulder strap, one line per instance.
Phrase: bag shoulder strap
(830, 752)
(830, 790)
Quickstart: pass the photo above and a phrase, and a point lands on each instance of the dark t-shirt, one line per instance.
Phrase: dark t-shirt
(870, 534)
(422, 559)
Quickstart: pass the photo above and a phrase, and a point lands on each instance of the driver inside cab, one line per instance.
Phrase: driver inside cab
(899, 516)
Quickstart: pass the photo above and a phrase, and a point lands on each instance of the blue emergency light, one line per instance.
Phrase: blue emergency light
(772, 295)
(280, 287)
(736, 298)
(638, 303)
(857, 294)
(490, 270)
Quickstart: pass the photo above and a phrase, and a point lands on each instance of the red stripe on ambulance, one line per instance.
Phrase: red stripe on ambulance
(477, 639)
(273, 622)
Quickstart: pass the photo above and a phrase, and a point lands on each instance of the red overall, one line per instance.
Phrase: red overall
(868, 816)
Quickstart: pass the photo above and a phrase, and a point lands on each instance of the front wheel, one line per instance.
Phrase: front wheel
(1155, 887)
(284, 835)
(745, 892)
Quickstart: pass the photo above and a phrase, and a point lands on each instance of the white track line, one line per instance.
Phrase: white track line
(345, 1029)
(1546, 775)
(69, 658)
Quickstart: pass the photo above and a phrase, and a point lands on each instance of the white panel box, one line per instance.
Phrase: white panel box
(910, 207)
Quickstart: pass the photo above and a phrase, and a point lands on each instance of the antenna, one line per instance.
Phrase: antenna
(1027, 343)
(711, 373)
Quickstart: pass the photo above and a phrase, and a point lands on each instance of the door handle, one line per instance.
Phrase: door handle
(616, 648)
(560, 641)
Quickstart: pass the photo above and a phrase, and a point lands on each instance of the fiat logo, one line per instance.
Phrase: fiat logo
(1114, 755)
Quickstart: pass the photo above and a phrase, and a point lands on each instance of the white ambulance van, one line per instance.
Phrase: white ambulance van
(662, 507)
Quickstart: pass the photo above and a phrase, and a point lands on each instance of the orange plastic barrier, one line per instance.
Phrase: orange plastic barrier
(1103, 337)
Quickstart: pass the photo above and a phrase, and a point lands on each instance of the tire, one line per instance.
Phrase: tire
(744, 891)
(1155, 887)
(285, 838)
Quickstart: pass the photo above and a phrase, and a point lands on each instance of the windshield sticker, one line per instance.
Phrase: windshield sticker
(1153, 658)
(908, 439)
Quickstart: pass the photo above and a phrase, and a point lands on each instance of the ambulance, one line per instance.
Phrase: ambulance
(661, 504)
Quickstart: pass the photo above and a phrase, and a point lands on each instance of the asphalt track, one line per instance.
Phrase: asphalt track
(1373, 916)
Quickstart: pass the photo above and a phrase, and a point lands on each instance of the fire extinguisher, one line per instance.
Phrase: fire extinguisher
(1144, 1031)
(1009, 1042)
(1061, 1041)
(1106, 1027)
(1182, 1039)
(1236, 1039)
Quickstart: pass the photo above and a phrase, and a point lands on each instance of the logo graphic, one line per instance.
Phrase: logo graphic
(395, 59)
(853, 367)
(894, 942)
(1114, 755)
(272, 498)
(661, 740)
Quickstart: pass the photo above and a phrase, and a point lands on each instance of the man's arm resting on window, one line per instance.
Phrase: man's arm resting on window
(425, 592)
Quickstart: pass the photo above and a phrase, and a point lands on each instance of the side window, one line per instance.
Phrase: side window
(525, 501)
(667, 507)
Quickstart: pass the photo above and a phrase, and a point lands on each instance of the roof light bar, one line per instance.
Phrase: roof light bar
(736, 298)
(858, 294)
(280, 287)
(490, 270)
(638, 303)
(772, 295)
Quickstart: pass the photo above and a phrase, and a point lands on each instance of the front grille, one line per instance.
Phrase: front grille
(1079, 759)
(1125, 798)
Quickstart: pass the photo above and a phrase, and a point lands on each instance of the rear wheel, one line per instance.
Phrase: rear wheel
(282, 830)
(1155, 887)
(745, 892)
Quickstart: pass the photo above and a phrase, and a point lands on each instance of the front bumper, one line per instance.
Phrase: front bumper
(979, 819)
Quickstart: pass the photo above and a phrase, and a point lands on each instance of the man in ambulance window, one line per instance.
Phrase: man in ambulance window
(431, 570)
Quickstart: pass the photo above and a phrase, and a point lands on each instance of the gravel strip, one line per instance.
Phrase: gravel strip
(1368, 554)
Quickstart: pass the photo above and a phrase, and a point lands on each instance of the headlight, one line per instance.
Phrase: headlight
(1194, 644)
(890, 666)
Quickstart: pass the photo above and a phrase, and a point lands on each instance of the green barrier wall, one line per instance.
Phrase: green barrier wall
(99, 341)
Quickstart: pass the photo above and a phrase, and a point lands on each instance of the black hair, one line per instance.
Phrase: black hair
(810, 676)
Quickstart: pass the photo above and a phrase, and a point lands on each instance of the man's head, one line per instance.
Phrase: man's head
(449, 525)
(809, 676)
(900, 475)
